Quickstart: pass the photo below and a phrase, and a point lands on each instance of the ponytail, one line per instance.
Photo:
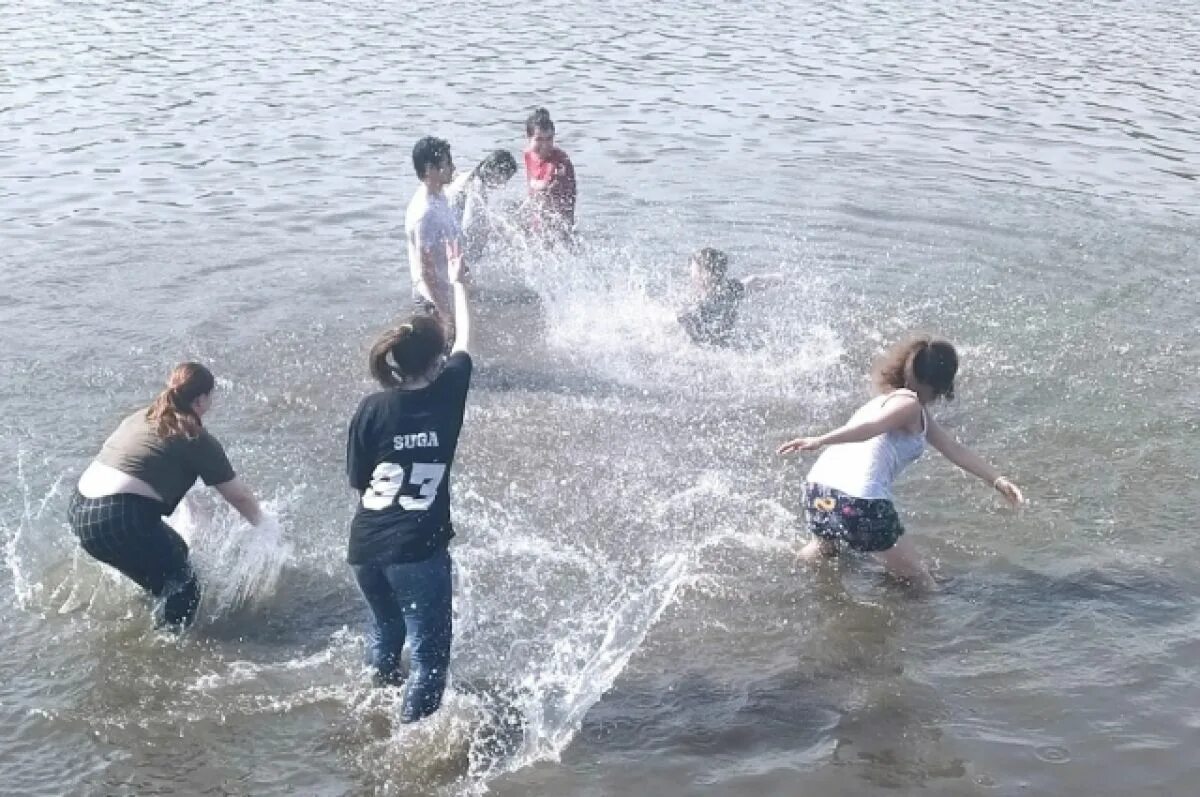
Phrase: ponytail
(172, 412)
(406, 351)
(922, 360)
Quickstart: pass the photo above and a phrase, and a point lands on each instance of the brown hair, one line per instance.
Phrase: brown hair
(407, 350)
(713, 262)
(925, 360)
(172, 413)
(539, 120)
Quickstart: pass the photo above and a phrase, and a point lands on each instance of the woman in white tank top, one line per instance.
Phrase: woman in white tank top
(848, 492)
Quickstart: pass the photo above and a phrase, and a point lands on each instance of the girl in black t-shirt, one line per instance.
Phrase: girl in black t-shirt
(399, 453)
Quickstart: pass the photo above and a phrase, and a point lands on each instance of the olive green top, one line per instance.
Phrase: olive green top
(171, 465)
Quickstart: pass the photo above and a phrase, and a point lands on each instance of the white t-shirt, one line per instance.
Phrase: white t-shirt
(429, 224)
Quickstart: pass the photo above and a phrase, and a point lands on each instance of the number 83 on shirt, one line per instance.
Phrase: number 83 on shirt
(414, 491)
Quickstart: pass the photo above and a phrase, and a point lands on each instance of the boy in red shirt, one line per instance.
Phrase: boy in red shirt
(551, 179)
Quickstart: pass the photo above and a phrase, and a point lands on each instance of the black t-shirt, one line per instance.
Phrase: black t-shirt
(710, 320)
(398, 456)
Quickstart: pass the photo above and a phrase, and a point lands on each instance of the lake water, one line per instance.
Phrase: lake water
(226, 181)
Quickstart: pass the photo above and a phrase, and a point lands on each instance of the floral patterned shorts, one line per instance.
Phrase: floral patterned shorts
(863, 524)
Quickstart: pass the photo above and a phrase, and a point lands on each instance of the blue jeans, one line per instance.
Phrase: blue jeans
(410, 600)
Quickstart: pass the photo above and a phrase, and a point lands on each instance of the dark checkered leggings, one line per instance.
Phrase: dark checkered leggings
(127, 531)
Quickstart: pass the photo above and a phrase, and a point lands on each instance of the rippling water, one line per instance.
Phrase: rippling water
(227, 181)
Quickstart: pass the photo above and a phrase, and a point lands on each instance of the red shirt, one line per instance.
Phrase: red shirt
(556, 203)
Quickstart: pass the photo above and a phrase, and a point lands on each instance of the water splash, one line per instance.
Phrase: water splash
(238, 565)
(613, 311)
(18, 553)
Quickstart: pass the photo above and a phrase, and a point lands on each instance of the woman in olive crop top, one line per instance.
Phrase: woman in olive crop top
(140, 475)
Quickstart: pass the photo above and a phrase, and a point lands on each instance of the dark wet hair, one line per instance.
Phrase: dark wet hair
(172, 413)
(539, 120)
(712, 262)
(499, 164)
(427, 153)
(407, 350)
(925, 360)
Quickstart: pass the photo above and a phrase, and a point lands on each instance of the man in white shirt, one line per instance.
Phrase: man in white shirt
(433, 235)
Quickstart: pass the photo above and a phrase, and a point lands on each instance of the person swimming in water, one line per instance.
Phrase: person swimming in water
(848, 491)
(710, 316)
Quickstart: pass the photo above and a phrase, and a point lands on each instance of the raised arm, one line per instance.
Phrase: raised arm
(242, 499)
(971, 462)
(433, 241)
(901, 411)
(438, 290)
(462, 309)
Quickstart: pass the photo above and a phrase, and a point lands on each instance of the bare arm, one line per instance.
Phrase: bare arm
(242, 499)
(894, 414)
(439, 292)
(462, 310)
(971, 462)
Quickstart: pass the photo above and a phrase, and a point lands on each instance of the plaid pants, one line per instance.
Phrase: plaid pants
(127, 532)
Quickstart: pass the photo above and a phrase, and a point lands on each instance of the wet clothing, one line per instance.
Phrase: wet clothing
(554, 205)
(710, 320)
(410, 601)
(848, 492)
(399, 451)
(172, 465)
(430, 224)
(862, 524)
(868, 469)
(127, 532)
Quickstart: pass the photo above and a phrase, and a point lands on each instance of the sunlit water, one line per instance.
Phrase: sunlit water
(227, 182)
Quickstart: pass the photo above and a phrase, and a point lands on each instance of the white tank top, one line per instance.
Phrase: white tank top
(868, 469)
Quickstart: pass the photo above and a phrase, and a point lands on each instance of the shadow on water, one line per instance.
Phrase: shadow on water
(874, 720)
(300, 616)
(850, 700)
(1015, 602)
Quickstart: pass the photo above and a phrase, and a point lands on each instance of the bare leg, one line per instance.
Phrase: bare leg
(903, 561)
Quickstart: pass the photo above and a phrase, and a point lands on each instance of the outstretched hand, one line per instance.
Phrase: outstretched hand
(1009, 491)
(799, 444)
